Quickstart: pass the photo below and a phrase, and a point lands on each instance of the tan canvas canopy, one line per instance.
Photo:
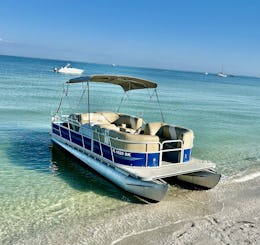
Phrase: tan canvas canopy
(127, 83)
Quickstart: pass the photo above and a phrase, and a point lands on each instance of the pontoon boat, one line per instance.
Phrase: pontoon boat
(134, 155)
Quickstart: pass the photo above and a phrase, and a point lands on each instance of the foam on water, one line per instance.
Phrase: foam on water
(247, 177)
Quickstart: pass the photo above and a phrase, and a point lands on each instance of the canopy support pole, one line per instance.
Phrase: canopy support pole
(88, 104)
(159, 105)
(121, 102)
(65, 92)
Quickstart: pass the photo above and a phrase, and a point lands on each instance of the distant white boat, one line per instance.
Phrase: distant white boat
(68, 70)
(221, 74)
(113, 65)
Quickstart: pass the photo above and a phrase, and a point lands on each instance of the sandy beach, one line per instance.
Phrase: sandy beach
(231, 216)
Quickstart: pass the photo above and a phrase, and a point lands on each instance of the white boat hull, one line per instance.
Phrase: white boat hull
(222, 75)
(74, 71)
(152, 190)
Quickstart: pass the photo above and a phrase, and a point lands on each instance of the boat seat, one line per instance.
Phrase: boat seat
(111, 117)
(170, 132)
(98, 117)
(153, 128)
(101, 132)
(136, 142)
(103, 127)
(129, 122)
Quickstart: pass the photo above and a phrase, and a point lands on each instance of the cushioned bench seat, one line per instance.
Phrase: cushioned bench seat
(170, 132)
(126, 122)
(125, 141)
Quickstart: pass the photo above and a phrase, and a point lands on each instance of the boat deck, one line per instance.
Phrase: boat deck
(167, 169)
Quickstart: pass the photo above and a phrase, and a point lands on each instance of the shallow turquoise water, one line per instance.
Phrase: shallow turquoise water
(41, 188)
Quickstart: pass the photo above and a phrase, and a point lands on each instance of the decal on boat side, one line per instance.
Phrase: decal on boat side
(122, 153)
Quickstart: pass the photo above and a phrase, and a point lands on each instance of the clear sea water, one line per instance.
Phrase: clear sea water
(47, 198)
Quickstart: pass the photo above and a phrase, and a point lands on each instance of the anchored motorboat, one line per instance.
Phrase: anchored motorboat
(67, 69)
(221, 74)
(136, 156)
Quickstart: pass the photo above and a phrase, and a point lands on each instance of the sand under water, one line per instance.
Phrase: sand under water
(227, 214)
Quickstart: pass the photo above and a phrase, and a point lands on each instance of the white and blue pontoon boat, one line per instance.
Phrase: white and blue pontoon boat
(136, 156)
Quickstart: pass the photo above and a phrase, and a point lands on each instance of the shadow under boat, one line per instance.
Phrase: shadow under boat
(66, 163)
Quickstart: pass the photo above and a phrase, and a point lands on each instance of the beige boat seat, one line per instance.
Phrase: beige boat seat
(98, 117)
(123, 140)
(170, 132)
(102, 128)
(101, 132)
(134, 142)
(129, 122)
(153, 128)
(123, 120)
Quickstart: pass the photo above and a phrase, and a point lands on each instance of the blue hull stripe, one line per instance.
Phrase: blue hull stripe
(76, 138)
(87, 143)
(120, 157)
(65, 133)
(55, 131)
(56, 126)
(106, 152)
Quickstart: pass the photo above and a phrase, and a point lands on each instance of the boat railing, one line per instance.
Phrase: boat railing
(178, 148)
(127, 142)
(161, 146)
(114, 143)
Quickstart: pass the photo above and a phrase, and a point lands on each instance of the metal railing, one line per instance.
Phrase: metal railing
(163, 147)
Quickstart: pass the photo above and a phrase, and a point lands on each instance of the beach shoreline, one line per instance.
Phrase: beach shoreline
(227, 214)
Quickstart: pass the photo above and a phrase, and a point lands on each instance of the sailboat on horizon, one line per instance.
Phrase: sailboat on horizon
(222, 74)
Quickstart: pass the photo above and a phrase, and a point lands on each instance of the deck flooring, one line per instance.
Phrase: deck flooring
(168, 169)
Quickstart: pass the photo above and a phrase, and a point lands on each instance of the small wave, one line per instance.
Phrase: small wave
(248, 177)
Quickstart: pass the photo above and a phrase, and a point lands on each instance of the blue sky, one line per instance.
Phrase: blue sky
(199, 35)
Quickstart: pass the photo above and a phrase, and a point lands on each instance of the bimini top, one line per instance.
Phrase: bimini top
(127, 83)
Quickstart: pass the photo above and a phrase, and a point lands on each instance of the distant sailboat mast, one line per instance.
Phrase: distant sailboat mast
(222, 74)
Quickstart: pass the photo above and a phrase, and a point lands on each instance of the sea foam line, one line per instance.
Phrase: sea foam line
(144, 231)
(248, 177)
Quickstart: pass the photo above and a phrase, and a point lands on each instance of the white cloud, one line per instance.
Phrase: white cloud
(2, 40)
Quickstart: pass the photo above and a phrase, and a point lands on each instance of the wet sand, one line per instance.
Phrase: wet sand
(235, 220)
